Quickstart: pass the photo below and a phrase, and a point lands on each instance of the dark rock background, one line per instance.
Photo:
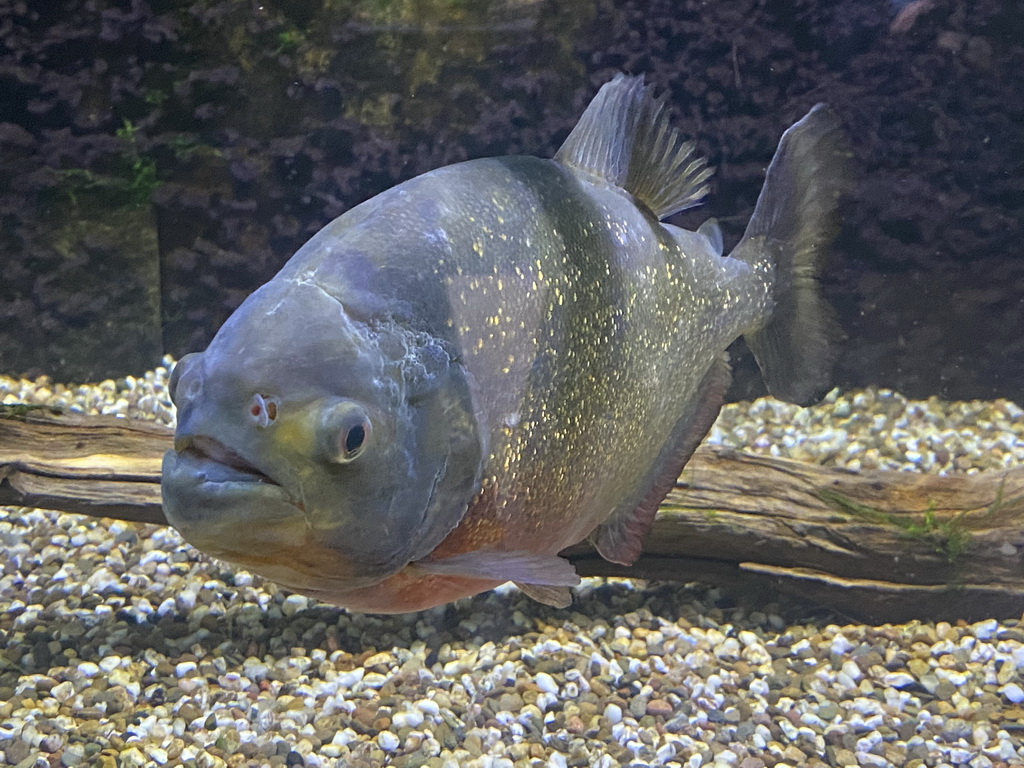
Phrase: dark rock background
(160, 160)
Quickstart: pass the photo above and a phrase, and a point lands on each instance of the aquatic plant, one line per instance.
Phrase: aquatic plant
(132, 181)
(947, 535)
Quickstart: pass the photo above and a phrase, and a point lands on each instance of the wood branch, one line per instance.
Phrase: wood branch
(879, 546)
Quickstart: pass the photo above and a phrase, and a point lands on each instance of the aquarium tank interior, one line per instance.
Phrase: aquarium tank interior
(160, 161)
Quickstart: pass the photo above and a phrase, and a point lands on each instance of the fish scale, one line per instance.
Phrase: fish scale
(595, 367)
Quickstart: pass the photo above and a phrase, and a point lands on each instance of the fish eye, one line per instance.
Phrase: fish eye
(354, 439)
(346, 432)
(263, 410)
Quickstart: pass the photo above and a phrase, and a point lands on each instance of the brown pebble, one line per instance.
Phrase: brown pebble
(658, 707)
(364, 715)
(794, 755)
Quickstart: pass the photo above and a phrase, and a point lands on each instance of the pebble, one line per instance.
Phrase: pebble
(546, 682)
(388, 741)
(143, 397)
(148, 653)
(1013, 692)
(877, 428)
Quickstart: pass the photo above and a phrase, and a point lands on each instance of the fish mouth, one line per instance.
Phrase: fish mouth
(207, 485)
(222, 463)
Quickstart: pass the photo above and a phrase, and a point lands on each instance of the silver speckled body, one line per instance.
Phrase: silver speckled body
(585, 324)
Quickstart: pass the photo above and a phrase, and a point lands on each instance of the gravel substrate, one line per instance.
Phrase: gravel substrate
(121, 646)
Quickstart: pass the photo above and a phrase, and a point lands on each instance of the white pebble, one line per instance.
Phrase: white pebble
(374, 680)
(960, 756)
(852, 671)
(546, 700)
(546, 682)
(728, 649)
(841, 645)
(131, 758)
(63, 691)
(388, 741)
(185, 600)
(255, 669)
(428, 706)
(1007, 751)
(748, 638)
(759, 686)
(166, 607)
(407, 719)
(869, 758)
(343, 737)
(898, 679)
(153, 556)
(985, 630)
(613, 713)
(350, 678)
(293, 604)
(1013, 692)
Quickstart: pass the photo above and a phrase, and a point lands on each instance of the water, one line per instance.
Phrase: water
(162, 160)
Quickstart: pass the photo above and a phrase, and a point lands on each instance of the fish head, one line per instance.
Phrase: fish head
(321, 450)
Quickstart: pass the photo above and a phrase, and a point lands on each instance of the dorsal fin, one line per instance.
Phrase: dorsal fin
(624, 136)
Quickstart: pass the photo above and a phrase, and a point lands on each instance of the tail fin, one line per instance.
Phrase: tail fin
(794, 224)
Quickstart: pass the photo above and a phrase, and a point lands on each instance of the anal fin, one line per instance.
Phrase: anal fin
(620, 538)
(556, 597)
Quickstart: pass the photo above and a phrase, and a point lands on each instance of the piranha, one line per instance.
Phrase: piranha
(462, 376)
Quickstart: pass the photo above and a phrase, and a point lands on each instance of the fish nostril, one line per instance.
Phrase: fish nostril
(263, 410)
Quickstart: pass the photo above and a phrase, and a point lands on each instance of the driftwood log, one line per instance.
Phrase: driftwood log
(876, 546)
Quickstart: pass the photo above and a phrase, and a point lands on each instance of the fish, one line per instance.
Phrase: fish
(459, 378)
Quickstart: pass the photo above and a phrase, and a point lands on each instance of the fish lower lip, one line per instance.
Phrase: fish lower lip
(207, 449)
(211, 502)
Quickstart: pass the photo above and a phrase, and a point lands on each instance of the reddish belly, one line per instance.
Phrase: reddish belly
(409, 590)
